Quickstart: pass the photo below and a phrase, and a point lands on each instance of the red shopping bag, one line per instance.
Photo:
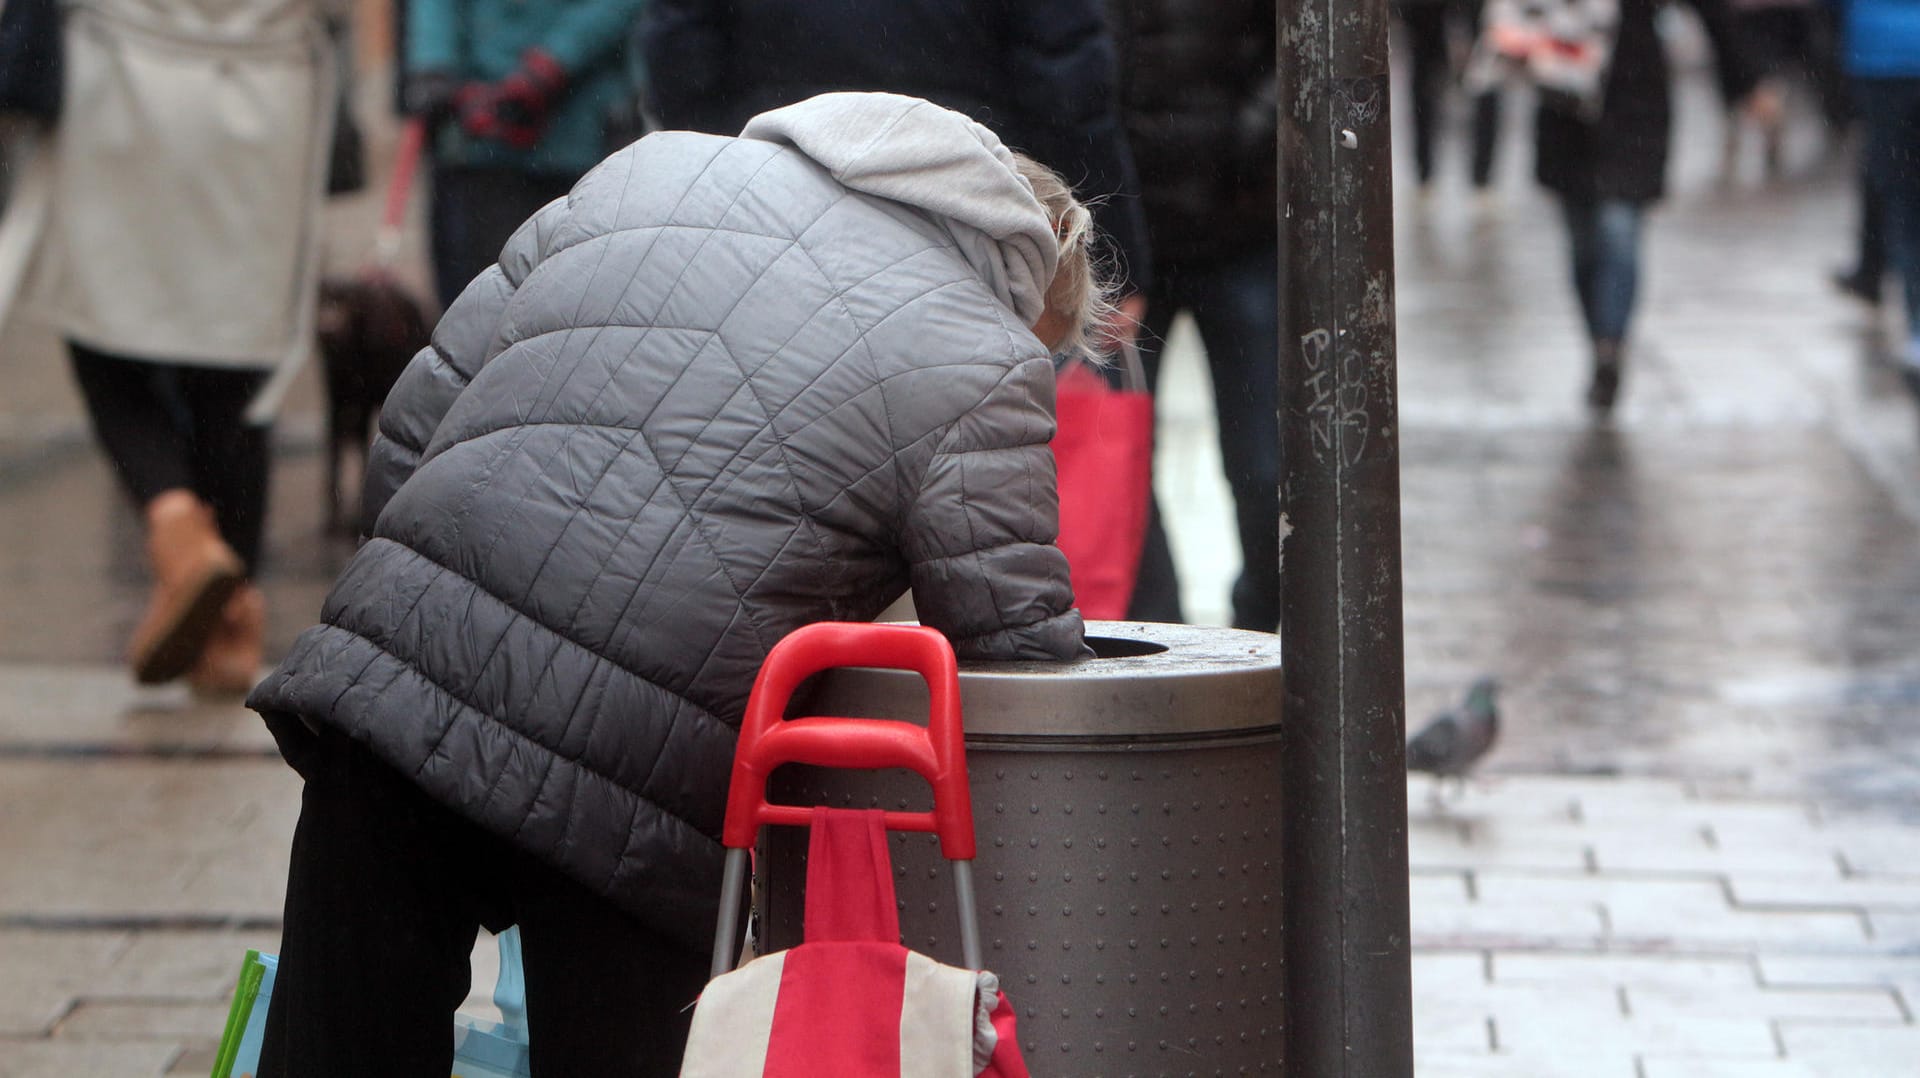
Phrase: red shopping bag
(1103, 449)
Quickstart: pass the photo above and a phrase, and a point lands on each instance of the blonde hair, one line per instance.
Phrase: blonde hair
(1082, 291)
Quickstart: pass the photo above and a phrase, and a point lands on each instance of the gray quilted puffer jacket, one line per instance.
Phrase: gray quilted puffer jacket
(718, 392)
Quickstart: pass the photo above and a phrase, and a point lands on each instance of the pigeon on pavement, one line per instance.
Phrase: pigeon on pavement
(1452, 742)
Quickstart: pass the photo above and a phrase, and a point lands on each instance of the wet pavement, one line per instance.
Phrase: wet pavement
(1695, 852)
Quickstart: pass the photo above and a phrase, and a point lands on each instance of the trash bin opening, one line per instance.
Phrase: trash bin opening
(1111, 647)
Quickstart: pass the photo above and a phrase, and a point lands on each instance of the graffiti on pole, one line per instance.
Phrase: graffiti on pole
(1337, 406)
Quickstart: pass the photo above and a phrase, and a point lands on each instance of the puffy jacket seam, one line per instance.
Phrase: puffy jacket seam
(619, 209)
(973, 551)
(897, 527)
(333, 705)
(457, 523)
(619, 860)
(552, 760)
(593, 488)
(788, 470)
(847, 490)
(700, 528)
(467, 708)
(593, 682)
(706, 234)
(612, 376)
(443, 569)
(439, 363)
(975, 450)
(493, 788)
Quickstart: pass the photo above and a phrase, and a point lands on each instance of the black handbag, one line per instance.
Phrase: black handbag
(347, 153)
(30, 58)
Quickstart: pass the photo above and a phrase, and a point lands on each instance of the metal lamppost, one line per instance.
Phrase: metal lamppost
(1348, 961)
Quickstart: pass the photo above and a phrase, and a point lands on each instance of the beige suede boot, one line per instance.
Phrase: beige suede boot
(194, 573)
(230, 663)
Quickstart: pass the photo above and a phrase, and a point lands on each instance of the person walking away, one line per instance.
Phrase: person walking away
(179, 263)
(1601, 131)
(725, 388)
(1782, 35)
(1041, 75)
(518, 95)
(1429, 26)
(1882, 57)
(1198, 96)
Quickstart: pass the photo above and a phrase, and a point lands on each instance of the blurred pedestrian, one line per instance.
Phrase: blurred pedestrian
(1784, 39)
(1040, 73)
(1882, 53)
(179, 262)
(1866, 277)
(1602, 130)
(519, 94)
(1199, 97)
(1431, 27)
(728, 387)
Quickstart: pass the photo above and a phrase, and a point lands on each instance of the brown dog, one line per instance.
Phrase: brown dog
(369, 329)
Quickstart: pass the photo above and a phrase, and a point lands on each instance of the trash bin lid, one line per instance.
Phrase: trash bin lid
(1152, 682)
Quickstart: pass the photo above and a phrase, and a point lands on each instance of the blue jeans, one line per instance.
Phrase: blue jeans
(1605, 243)
(1891, 110)
(1236, 304)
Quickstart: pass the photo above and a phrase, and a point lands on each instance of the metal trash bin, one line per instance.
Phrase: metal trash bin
(1129, 869)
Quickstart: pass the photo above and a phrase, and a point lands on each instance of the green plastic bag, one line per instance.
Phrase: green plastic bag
(247, 1018)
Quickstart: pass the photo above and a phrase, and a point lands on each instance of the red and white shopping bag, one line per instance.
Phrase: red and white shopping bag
(851, 1001)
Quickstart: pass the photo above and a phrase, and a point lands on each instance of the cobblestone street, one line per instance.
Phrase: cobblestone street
(1696, 851)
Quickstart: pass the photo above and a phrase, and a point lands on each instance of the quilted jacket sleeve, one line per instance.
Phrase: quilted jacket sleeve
(980, 531)
(465, 339)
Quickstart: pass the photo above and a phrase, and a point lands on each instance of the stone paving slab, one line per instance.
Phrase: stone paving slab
(1680, 973)
(89, 826)
(70, 1058)
(1853, 1049)
(96, 709)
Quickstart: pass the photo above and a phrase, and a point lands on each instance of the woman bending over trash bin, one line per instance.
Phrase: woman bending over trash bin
(725, 388)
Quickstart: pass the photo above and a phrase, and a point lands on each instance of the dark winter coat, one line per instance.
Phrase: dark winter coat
(1623, 155)
(1198, 95)
(1039, 73)
(711, 396)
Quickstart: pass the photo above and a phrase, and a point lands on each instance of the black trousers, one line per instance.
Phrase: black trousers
(474, 211)
(170, 426)
(385, 895)
(1430, 74)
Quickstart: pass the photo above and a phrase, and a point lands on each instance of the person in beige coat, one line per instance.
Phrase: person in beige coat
(178, 261)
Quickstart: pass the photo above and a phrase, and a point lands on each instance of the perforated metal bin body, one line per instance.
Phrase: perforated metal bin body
(1128, 877)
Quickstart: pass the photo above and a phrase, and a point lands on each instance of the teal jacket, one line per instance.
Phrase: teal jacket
(483, 40)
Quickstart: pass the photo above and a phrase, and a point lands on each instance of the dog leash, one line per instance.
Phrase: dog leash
(406, 161)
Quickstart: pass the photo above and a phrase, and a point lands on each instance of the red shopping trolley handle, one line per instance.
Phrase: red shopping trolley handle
(937, 752)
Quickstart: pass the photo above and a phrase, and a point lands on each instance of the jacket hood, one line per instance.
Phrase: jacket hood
(936, 160)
